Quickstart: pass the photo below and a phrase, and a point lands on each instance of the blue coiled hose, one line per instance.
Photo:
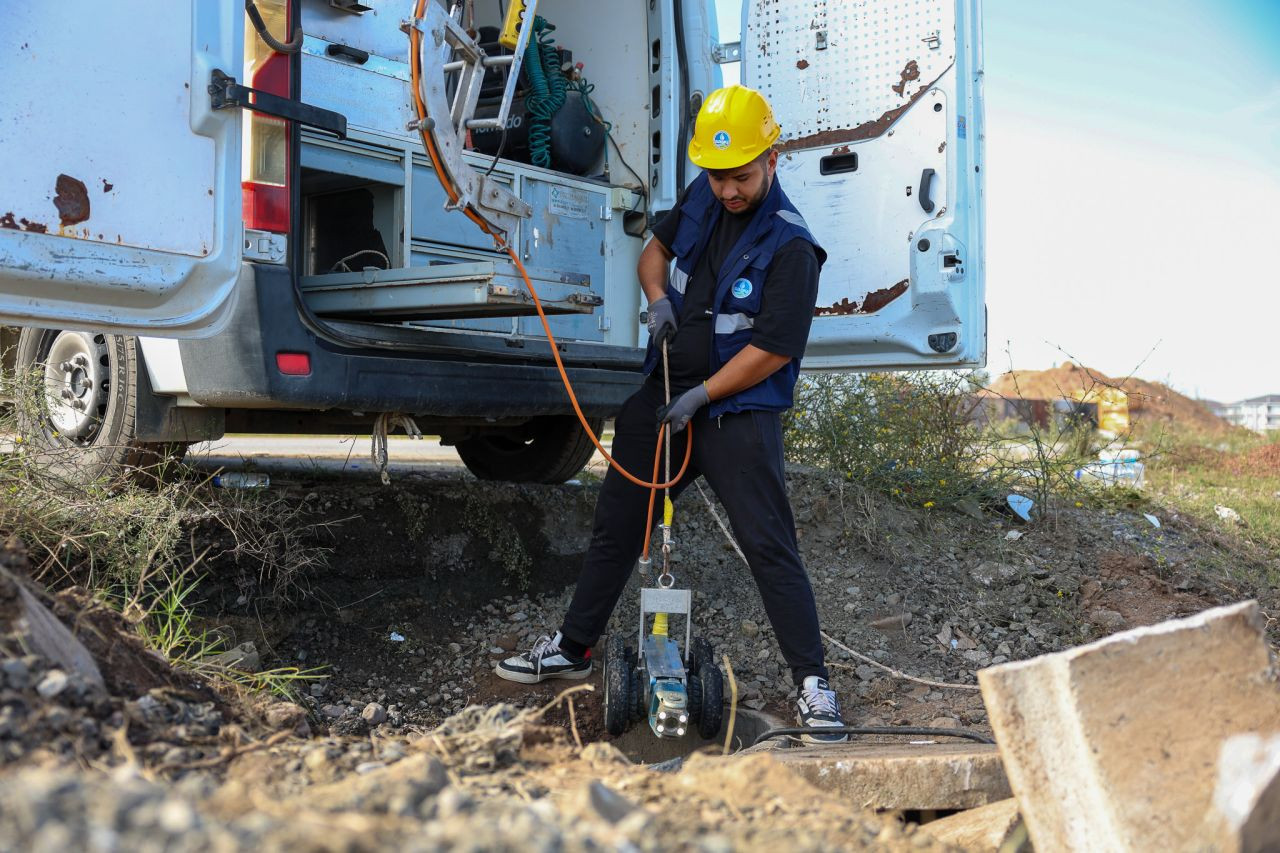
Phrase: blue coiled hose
(548, 89)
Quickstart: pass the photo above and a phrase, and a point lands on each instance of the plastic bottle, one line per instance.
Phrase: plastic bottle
(241, 480)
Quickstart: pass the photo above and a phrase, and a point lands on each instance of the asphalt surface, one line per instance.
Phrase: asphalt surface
(329, 455)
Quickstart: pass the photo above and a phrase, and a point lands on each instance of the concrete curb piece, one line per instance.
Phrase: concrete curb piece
(1159, 738)
(898, 776)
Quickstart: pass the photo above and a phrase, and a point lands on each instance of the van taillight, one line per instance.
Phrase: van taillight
(265, 164)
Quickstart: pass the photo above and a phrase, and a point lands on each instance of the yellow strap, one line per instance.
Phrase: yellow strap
(660, 624)
(668, 511)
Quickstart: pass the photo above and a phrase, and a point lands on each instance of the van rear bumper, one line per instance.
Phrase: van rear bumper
(463, 376)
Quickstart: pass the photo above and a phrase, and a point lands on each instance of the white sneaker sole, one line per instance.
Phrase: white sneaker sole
(535, 678)
(810, 739)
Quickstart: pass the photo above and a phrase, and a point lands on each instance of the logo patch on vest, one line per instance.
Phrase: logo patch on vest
(721, 139)
(742, 288)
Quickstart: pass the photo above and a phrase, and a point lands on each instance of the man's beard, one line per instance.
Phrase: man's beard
(753, 203)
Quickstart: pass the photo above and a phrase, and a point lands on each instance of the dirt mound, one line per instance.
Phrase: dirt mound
(1261, 461)
(486, 779)
(76, 683)
(1150, 403)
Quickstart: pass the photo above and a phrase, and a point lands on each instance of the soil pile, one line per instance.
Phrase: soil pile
(417, 745)
(79, 685)
(934, 594)
(487, 779)
(1263, 461)
(1150, 403)
(105, 746)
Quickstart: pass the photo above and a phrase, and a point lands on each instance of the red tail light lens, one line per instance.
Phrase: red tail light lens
(265, 164)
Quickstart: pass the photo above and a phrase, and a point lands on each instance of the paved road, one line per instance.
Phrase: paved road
(329, 454)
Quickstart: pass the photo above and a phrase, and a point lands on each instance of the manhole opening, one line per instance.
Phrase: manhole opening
(644, 747)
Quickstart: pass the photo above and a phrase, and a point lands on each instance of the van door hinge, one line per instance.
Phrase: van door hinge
(727, 52)
(226, 93)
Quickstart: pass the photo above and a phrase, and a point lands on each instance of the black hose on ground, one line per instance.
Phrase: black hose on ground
(873, 730)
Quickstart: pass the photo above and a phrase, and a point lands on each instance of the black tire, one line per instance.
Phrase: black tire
(700, 654)
(711, 712)
(636, 696)
(548, 449)
(694, 687)
(95, 443)
(617, 687)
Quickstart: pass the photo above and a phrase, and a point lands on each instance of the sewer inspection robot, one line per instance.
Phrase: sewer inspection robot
(675, 693)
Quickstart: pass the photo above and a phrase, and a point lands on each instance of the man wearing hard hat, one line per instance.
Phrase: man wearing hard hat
(735, 315)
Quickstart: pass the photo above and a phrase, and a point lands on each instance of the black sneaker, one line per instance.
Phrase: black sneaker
(544, 661)
(817, 706)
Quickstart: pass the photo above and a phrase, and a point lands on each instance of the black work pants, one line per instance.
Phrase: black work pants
(740, 455)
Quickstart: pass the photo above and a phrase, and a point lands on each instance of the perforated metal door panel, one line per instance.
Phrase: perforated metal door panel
(880, 106)
(837, 71)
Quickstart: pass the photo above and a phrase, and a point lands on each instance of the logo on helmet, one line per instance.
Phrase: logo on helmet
(742, 288)
(721, 139)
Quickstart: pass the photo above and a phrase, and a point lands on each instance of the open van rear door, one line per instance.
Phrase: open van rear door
(120, 185)
(880, 103)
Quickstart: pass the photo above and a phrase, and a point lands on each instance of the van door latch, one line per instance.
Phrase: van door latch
(225, 93)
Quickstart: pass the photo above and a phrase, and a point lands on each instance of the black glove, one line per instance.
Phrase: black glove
(680, 410)
(661, 321)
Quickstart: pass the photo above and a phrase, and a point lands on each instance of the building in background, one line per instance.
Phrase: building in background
(1257, 413)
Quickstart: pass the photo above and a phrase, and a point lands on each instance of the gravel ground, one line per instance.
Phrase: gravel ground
(411, 743)
(934, 595)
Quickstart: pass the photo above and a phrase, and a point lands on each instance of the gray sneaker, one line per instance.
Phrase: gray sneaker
(544, 661)
(818, 707)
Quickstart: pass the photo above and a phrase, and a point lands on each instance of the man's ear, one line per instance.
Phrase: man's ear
(771, 164)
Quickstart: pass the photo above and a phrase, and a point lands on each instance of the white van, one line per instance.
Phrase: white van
(183, 267)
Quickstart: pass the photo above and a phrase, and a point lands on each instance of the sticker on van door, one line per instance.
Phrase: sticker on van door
(566, 201)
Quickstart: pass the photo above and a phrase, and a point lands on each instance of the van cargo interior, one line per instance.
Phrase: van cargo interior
(379, 245)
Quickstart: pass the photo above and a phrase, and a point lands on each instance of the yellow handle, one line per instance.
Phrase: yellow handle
(511, 24)
(668, 510)
(660, 624)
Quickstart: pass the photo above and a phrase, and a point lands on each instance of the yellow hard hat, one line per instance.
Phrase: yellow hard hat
(735, 126)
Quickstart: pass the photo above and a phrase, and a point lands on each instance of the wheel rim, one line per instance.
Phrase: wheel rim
(76, 385)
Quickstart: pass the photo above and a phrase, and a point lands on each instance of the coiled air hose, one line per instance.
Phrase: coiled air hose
(503, 245)
(547, 89)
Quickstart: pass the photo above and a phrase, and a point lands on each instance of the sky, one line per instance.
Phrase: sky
(1133, 189)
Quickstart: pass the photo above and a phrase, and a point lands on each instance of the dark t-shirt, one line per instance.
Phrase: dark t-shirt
(786, 311)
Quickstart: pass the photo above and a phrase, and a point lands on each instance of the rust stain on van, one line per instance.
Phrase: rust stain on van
(877, 299)
(871, 303)
(8, 220)
(866, 130)
(911, 72)
(802, 64)
(72, 200)
(107, 186)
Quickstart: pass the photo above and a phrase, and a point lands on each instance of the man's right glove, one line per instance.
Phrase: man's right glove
(661, 321)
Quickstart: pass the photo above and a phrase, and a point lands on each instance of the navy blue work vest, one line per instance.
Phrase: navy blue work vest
(739, 286)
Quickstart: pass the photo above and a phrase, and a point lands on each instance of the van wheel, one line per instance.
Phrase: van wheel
(545, 450)
(75, 402)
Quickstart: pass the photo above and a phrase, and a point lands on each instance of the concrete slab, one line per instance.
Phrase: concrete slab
(1130, 743)
(985, 828)
(900, 776)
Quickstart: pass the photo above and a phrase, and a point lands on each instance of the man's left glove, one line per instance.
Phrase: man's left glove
(680, 410)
